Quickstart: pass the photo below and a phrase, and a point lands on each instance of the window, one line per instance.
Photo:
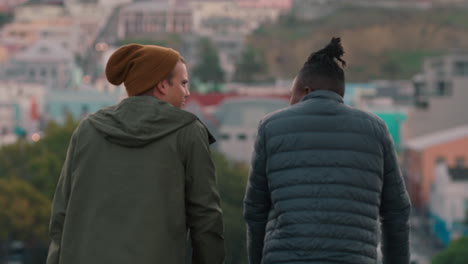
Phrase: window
(242, 137)
(461, 68)
(460, 162)
(440, 160)
(43, 72)
(442, 88)
(421, 103)
(419, 87)
(225, 137)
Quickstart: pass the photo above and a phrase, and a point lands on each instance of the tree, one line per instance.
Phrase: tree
(28, 176)
(232, 179)
(208, 67)
(455, 253)
(250, 66)
(39, 163)
(25, 211)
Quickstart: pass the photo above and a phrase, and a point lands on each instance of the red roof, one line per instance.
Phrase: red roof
(209, 99)
(215, 99)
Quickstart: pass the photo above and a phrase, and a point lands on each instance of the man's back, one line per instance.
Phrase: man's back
(136, 178)
(323, 173)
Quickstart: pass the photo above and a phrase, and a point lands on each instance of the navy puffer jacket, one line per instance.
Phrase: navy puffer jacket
(323, 176)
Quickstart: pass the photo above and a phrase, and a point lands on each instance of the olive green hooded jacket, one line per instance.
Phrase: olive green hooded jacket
(137, 177)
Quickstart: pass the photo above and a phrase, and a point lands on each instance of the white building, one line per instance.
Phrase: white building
(46, 62)
(238, 123)
(449, 203)
(39, 12)
(440, 95)
(25, 33)
(145, 19)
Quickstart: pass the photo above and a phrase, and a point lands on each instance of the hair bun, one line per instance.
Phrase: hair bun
(334, 49)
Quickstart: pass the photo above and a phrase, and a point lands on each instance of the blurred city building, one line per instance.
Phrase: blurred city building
(78, 103)
(21, 108)
(33, 22)
(238, 120)
(146, 19)
(449, 203)
(423, 153)
(8, 5)
(45, 62)
(440, 95)
(225, 23)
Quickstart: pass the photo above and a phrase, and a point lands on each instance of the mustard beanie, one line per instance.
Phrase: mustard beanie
(140, 67)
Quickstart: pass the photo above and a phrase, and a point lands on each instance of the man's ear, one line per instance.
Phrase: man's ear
(307, 90)
(162, 87)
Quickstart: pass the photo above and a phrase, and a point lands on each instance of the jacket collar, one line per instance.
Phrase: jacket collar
(324, 94)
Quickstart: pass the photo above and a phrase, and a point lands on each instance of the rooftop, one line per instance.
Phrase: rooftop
(423, 142)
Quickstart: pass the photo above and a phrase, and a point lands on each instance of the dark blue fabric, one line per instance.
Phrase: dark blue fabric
(323, 176)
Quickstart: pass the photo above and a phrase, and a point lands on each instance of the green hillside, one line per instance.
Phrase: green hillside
(379, 43)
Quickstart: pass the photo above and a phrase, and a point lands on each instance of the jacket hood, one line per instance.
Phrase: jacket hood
(139, 120)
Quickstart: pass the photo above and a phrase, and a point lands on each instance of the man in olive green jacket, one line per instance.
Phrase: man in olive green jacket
(138, 175)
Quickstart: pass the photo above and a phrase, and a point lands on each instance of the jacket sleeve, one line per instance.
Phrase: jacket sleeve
(204, 215)
(257, 201)
(394, 209)
(59, 206)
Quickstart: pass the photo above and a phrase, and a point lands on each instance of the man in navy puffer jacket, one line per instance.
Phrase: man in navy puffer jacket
(324, 176)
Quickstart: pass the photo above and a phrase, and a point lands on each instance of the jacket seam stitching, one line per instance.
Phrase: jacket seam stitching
(318, 183)
(320, 166)
(328, 211)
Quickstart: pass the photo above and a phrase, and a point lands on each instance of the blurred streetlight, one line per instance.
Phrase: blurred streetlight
(36, 137)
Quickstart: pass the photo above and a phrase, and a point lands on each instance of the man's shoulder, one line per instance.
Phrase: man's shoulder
(194, 126)
(195, 131)
(84, 129)
(376, 123)
(276, 115)
(359, 113)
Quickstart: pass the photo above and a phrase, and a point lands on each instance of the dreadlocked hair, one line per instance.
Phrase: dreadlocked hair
(323, 65)
(334, 50)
